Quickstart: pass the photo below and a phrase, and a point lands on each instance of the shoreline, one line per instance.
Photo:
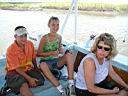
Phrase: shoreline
(103, 8)
(91, 12)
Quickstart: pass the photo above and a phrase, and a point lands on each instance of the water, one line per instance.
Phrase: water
(36, 21)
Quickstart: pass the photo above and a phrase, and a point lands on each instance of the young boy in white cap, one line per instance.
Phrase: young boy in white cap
(22, 71)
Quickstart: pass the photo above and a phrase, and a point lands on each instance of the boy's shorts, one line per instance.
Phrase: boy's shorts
(15, 80)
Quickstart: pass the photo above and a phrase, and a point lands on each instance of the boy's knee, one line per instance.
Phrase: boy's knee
(68, 55)
(29, 94)
(43, 65)
(25, 91)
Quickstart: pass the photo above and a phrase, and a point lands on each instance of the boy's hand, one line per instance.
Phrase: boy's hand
(33, 82)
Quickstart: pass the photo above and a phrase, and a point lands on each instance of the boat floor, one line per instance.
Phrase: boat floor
(45, 90)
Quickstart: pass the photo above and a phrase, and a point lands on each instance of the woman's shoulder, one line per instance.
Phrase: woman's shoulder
(91, 55)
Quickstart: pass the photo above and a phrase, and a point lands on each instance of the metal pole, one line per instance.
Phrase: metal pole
(76, 13)
(69, 12)
(73, 5)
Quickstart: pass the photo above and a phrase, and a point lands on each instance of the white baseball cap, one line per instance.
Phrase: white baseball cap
(21, 31)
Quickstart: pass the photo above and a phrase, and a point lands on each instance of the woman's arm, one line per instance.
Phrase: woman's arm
(116, 77)
(89, 75)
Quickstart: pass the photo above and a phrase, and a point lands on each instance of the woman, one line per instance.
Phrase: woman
(95, 67)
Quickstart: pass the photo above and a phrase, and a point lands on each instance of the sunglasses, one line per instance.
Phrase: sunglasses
(105, 48)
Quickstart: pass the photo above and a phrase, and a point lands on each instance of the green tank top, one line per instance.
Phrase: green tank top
(50, 46)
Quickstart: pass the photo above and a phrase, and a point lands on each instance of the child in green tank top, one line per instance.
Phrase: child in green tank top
(50, 46)
(49, 49)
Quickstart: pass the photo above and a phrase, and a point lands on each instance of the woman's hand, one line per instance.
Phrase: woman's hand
(126, 88)
(115, 90)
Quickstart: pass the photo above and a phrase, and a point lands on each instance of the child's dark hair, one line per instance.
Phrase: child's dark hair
(53, 18)
(18, 27)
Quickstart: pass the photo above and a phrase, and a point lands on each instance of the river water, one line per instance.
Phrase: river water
(36, 22)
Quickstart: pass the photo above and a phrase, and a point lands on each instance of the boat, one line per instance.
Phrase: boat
(79, 50)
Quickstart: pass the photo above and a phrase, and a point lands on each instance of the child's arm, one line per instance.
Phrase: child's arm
(61, 50)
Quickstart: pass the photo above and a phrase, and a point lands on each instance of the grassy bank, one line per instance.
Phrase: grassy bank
(101, 7)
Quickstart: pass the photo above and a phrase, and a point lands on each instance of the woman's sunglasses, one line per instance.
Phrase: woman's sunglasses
(105, 48)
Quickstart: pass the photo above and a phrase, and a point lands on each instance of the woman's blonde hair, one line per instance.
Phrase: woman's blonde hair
(108, 40)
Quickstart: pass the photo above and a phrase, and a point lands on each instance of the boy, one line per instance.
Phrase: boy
(21, 74)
